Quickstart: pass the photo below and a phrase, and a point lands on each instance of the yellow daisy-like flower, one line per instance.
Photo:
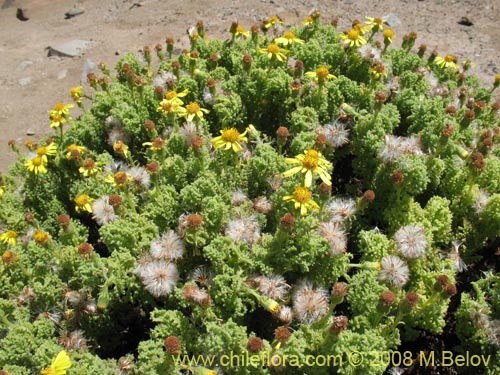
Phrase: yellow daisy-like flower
(449, 61)
(288, 38)
(119, 179)
(56, 120)
(41, 237)
(388, 36)
(274, 52)
(83, 203)
(2, 191)
(50, 149)
(37, 164)
(378, 71)
(60, 114)
(193, 110)
(59, 365)
(74, 150)
(121, 148)
(375, 23)
(302, 198)
(230, 138)
(156, 145)
(168, 107)
(308, 21)
(321, 74)
(274, 20)
(76, 93)
(354, 38)
(61, 109)
(175, 97)
(9, 237)
(310, 162)
(241, 32)
(89, 167)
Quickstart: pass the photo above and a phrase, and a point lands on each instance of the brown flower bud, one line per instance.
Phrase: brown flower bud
(450, 290)
(369, 196)
(387, 298)
(63, 220)
(441, 282)
(411, 300)
(85, 249)
(29, 217)
(282, 334)
(152, 167)
(397, 177)
(115, 200)
(255, 344)
(339, 324)
(194, 221)
(287, 221)
(172, 345)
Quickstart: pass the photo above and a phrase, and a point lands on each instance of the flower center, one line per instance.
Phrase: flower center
(378, 21)
(158, 143)
(171, 94)
(89, 164)
(192, 108)
(301, 194)
(230, 135)
(322, 72)
(37, 161)
(450, 58)
(59, 107)
(273, 48)
(82, 200)
(289, 35)
(166, 106)
(41, 151)
(353, 35)
(311, 159)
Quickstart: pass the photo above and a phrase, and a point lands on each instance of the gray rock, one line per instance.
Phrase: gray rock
(23, 65)
(30, 132)
(392, 19)
(62, 74)
(25, 81)
(88, 67)
(72, 48)
(76, 11)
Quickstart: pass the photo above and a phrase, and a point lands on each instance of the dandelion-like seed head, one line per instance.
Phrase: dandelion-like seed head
(202, 275)
(411, 241)
(169, 247)
(159, 277)
(340, 209)
(245, 230)
(335, 234)
(193, 293)
(273, 286)
(103, 210)
(394, 271)
(310, 304)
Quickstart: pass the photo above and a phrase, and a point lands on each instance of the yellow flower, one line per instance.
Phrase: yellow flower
(59, 365)
(193, 110)
(76, 93)
(241, 32)
(288, 38)
(310, 162)
(41, 237)
(388, 36)
(354, 38)
(321, 74)
(174, 96)
(89, 168)
(9, 237)
(121, 148)
(120, 179)
(378, 71)
(61, 109)
(37, 164)
(274, 52)
(309, 20)
(50, 149)
(60, 114)
(2, 191)
(157, 144)
(230, 138)
(83, 203)
(274, 20)
(449, 61)
(74, 150)
(170, 107)
(375, 23)
(302, 199)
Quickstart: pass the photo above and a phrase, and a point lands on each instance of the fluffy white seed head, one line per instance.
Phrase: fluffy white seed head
(394, 271)
(310, 304)
(411, 241)
(169, 247)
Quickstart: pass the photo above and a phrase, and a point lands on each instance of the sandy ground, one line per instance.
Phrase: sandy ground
(31, 82)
